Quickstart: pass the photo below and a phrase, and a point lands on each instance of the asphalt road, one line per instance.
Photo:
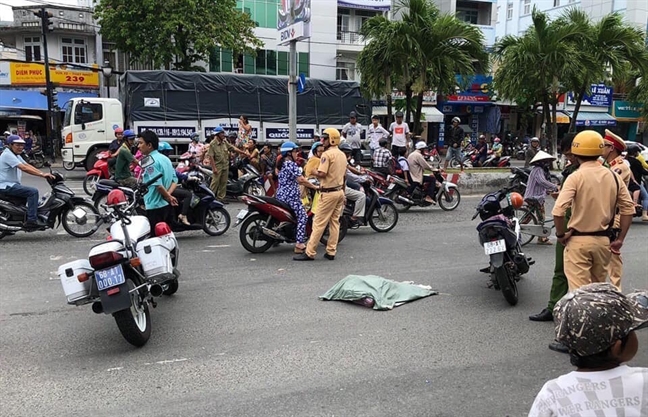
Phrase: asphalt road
(246, 335)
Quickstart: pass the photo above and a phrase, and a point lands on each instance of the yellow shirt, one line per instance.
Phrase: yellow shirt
(592, 194)
(219, 153)
(334, 164)
(310, 170)
(619, 166)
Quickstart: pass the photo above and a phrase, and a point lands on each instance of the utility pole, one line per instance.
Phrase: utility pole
(46, 27)
(292, 92)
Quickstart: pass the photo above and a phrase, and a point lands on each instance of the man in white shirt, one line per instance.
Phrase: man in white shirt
(351, 132)
(597, 324)
(375, 132)
(400, 134)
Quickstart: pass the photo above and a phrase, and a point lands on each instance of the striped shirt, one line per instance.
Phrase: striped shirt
(538, 185)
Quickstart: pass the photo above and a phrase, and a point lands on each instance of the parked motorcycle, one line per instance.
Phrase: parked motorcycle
(60, 206)
(35, 157)
(100, 171)
(499, 235)
(248, 183)
(520, 151)
(468, 158)
(380, 212)
(496, 162)
(207, 213)
(267, 222)
(125, 274)
(447, 193)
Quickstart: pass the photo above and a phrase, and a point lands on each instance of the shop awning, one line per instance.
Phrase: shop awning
(588, 118)
(562, 118)
(22, 99)
(431, 114)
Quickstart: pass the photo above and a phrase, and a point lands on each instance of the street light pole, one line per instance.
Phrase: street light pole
(49, 126)
(107, 70)
(292, 92)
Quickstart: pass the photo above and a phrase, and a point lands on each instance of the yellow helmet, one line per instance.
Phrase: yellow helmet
(588, 143)
(333, 136)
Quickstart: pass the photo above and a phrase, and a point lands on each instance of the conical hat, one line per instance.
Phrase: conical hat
(542, 156)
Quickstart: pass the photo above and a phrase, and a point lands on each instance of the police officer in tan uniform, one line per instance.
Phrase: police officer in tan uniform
(592, 193)
(219, 159)
(331, 172)
(614, 146)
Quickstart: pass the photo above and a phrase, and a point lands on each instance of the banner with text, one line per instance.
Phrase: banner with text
(33, 74)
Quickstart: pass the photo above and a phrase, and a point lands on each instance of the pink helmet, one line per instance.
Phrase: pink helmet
(497, 140)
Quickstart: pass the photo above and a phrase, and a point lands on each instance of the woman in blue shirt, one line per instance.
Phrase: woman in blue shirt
(290, 177)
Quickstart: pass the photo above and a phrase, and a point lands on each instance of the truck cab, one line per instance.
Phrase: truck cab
(88, 128)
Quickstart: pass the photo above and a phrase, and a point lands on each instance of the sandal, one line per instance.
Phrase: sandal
(300, 250)
(545, 242)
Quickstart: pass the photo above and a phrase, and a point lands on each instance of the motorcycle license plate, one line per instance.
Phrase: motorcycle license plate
(111, 277)
(391, 186)
(241, 215)
(495, 246)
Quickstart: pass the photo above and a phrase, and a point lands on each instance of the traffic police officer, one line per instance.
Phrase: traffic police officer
(219, 158)
(614, 146)
(592, 193)
(331, 172)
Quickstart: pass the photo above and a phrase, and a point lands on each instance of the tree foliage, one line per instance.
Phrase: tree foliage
(175, 34)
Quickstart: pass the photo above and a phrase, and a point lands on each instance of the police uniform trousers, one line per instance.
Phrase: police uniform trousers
(586, 260)
(615, 270)
(328, 213)
(219, 183)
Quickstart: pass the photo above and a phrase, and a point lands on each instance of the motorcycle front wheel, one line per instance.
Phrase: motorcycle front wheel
(525, 217)
(216, 221)
(81, 227)
(507, 284)
(134, 323)
(384, 218)
(344, 227)
(251, 235)
(254, 188)
(89, 183)
(450, 200)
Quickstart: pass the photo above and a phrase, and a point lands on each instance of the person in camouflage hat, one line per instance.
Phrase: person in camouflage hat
(597, 323)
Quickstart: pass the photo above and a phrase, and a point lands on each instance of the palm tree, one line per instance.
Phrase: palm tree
(537, 63)
(608, 49)
(440, 47)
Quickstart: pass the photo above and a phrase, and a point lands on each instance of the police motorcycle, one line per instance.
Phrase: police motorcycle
(60, 206)
(125, 275)
(499, 235)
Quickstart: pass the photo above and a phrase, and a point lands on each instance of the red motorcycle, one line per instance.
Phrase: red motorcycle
(99, 171)
(267, 222)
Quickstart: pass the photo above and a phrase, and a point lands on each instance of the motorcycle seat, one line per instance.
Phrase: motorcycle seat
(276, 202)
(13, 199)
(109, 183)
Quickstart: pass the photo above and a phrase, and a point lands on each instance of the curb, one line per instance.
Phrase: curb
(478, 183)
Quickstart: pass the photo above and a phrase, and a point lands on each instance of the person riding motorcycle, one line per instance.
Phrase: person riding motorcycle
(418, 165)
(195, 147)
(351, 192)
(497, 148)
(11, 167)
(124, 160)
(290, 178)
(115, 146)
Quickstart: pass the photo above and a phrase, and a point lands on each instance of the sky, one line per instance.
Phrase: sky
(7, 14)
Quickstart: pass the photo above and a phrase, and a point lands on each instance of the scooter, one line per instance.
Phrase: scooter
(495, 161)
(499, 235)
(268, 222)
(60, 206)
(35, 157)
(380, 212)
(447, 193)
(248, 183)
(100, 171)
(124, 275)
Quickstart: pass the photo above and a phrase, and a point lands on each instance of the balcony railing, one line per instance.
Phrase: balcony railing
(350, 38)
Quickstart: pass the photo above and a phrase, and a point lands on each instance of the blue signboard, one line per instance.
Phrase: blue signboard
(475, 90)
(284, 133)
(171, 132)
(589, 123)
(600, 95)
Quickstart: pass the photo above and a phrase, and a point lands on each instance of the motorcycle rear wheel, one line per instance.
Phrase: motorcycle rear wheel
(390, 214)
(449, 202)
(344, 227)
(507, 284)
(525, 216)
(254, 188)
(134, 323)
(216, 221)
(70, 223)
(251, 228)
(89, 183)
(402, 207)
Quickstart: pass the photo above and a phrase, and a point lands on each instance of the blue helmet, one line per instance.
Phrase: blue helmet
(129, 134)
(15, 139)
(164, 146)
(217, 130)
(287, 147)
(315, 145)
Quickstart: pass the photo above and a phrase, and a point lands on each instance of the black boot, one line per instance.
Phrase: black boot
(544, 315)
(558, 347)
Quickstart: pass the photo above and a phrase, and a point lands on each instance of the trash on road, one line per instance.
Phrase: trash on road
(376, 292)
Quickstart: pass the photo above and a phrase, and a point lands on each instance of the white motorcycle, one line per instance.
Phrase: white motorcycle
(125, 274)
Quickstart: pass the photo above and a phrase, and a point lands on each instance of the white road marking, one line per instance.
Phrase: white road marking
(55, 258)
(168, 361)
(114, 369)
(218, 246)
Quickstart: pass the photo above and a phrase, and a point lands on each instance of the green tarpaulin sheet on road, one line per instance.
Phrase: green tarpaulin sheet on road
(386, 293)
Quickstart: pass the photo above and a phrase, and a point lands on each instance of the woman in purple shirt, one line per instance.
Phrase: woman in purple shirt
(539, 186)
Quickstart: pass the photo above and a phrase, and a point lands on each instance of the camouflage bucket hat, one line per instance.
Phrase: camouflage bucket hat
(590, 319)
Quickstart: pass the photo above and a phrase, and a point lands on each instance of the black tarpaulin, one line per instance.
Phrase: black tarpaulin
(199, 96)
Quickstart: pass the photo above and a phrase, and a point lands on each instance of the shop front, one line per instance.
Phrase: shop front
(628, 117)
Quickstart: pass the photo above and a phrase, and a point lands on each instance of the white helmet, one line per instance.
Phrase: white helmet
(534, 139)
(420, 145)
(456, 119)
(542, 156)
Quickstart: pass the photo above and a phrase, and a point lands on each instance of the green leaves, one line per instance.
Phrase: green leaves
(175, 33)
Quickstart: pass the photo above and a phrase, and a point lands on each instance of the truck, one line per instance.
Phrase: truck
(176, 104)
